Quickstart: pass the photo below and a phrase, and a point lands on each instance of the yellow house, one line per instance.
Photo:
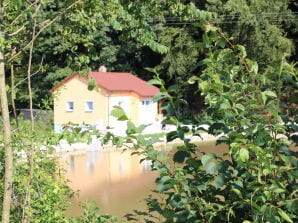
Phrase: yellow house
(74, 103)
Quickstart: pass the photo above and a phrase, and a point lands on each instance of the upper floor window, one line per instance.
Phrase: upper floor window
(89, 106)
(69, 106)
(147, 104)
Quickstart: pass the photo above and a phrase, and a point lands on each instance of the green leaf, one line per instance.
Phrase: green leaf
(204, 61)
(221, 43)
(255, 68)
(163, 184)
(212, 167)
(284, 215)
(171, 121)
(225, 105)
(118, 113)
(277, 187)
(157, 47)
(207, 158)
(292, 205)
(91, 84)
(266, 172)
(240, 107)
(244, 154)
(155, 82)
(242, 51)
(238, 192)
(171, 136)
(219, 181)
(209, 27)
(160, 96)
(289, 159)
(270, 93)
(116, 25)
(141, 128)
(131, 128)
(216, 128)
(204, 86)
(266, 94)
(193, 79)
(222, 139)
(181, 156)
(76, 130)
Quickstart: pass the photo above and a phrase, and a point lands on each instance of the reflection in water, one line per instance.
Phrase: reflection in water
(146, 165)
(71, 163)
(114, 179)
(92, 158)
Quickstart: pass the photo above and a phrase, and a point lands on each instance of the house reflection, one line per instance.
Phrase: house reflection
(92, 157)
(71, 163)
(109, 177)
(104, 166)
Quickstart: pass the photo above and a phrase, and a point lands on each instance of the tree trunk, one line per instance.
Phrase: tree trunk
(7, 145)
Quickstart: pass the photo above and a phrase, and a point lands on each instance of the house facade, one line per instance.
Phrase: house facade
(74, 103)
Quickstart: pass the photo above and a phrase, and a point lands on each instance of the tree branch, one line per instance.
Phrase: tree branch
(16, 32)
(50, 22)
(27, 200)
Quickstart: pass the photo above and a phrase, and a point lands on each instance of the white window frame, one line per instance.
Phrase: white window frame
(70, 106)
(147, 104)
(89, 106)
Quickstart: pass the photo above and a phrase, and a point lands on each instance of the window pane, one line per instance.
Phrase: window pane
(89, 106)
(147, 104)
(69, 106)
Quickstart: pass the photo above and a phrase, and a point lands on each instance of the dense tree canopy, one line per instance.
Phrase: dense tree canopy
(123, 36)
(258, 25)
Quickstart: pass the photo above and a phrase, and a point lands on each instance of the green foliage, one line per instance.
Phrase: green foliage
(118, 113)
(256, 181)
(260, 26)
(91, 214)
(48, 188)
(182, 54)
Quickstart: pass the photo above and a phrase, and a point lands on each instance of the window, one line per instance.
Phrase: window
(89, 106)
(147, 104)
(120, 103)
(69, 106)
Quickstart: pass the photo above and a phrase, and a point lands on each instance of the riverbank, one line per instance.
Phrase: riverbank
(95, 145)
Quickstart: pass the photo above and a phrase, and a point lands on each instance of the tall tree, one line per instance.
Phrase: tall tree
(6, 129)
(258, 25)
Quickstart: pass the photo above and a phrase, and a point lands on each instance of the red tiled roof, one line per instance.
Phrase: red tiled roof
(117, 81)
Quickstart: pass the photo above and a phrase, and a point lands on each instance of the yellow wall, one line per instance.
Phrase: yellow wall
(76, 90)
(135, 103)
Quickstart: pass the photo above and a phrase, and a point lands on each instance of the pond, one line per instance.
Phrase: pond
(114, 179)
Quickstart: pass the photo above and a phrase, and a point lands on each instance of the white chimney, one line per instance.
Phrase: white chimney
(102, 69)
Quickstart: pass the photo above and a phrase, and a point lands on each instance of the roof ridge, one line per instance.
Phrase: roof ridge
(117, 81)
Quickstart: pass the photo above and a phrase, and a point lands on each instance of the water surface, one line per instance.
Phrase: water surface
(114, 179)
